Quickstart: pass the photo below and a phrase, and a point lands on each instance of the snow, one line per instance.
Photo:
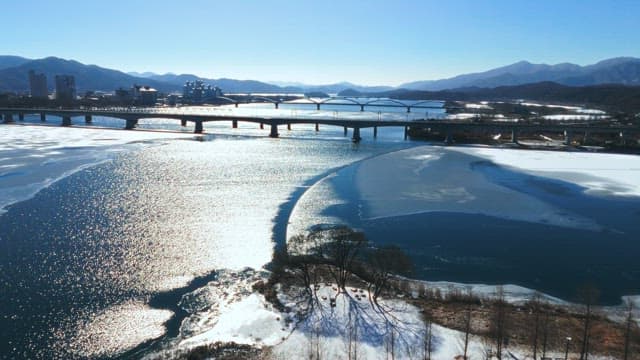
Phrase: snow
(249, 321)
(598, 173)
(34, 157)
(581, 117)
(477, 106)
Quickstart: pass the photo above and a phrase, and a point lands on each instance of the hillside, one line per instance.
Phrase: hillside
(624, 70)
(612, 96)
(88, 77)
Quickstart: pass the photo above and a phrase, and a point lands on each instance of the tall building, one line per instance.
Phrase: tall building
(38, 85)
(65, 88)
(198, 91)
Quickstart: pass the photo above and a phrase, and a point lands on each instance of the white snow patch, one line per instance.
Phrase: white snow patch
(599, 173)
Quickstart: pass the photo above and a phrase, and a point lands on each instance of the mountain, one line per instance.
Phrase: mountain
(8, 61)
(623, 70)
(613, 97)
(88, 77)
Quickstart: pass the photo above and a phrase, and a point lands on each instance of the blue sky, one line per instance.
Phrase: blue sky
(366, 42)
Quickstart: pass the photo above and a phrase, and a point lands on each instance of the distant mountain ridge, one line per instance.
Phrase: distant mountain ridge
(622, 70)
(14, 77)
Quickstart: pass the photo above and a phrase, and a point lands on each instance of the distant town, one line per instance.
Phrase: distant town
(194, 93)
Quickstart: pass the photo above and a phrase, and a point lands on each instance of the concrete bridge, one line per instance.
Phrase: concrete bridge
(199, 116)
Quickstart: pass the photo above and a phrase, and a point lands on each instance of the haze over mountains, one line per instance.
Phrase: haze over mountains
(14, 77)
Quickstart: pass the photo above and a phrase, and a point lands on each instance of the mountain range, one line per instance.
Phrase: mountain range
(14, 77)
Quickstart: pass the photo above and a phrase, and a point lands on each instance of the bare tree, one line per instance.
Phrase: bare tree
(383, 263)
(466, 321)
(341, 248)
(499, 321)
(535, 305)
(588, 295)
(628, 328)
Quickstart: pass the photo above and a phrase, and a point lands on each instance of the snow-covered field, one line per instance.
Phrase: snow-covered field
(34, 157)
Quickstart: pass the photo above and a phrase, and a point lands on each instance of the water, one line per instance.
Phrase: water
(464, 219)
(94, 265)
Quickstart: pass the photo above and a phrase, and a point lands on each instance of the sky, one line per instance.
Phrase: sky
(370, 42)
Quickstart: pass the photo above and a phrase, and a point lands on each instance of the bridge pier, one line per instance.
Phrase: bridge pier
(568, 137)
(199, 128)
(514, 136)
(375, 132)
(406, 132)
(183, 122)
(317, 106)
(289, 126)
(21, 116)
(261, 126)
(234, 124)
(317, 127)
(130, 124)
(448, 140)
(345, 131)
(88, 119)
(361, 107)
(274, 131)
(356, 135)
(408, 109)
(43, 117)
(585, 138)
(8, 118)
(236, 104)
(66, 121)
(276, 105)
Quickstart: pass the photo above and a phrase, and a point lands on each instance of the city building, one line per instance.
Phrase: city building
(138, 95)
(65, 88)
(197, 91)
(38, 85)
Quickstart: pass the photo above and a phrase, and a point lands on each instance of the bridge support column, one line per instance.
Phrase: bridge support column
(568, 137)
(66, 121)
(317, 106)
(317, 127)
(8, 118)
(274, 131)
(199, 128)
(585, 139)
(514, 136)
(183, 122)
(345, 131)
(261, 126)
(361, 107)
(21, 116)
(406, 132)
(88, 119)
(234, 124)
(236, 104)
(408, 109)
(623, 138)
(356, 135)
(375, 132)
(288, 126)
(448, 140)
(131, 124)
(277, 105)
(43, 117)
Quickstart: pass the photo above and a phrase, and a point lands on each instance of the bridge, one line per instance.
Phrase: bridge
(348, 120)
(363, 103)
